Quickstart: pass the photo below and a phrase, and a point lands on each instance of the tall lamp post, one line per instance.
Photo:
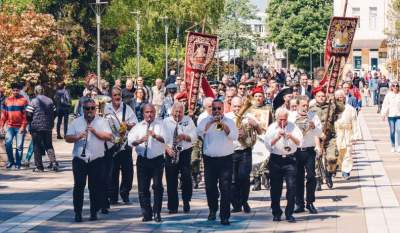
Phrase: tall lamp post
(138, 20)
(166, 26)
(311, 73)
(98, 7)
(177, 46)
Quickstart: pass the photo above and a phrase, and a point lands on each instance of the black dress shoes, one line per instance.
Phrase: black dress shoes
(246, 208)
(211, 216)
(186, 206)
(225, 222)
(277, 218)
(78, 217)
(329, 181)
(318, 185)
(104, 210)
(299, 209)
(93, 216)
(157, 217)
(147, 219)
(126, 201)
(290, 219)
(173, 211)
(236, 210)
(311, 208)
(113, 202)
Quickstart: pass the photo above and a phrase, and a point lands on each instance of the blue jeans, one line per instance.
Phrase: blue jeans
(30, 152)
(375, 96)
(394, 125)
(60, 115)
(367, 101)
(10, 134)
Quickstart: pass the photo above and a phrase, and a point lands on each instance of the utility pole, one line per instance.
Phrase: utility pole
(166, 26)
(229, 57)
(177, 47)
(98, 7)
(311, 73)
(138, 21)
(242, 60)
(234, 56)
(250, 59)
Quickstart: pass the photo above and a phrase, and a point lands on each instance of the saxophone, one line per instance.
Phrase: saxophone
(175, 145)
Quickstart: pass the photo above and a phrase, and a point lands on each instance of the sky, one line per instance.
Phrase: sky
(261, 5)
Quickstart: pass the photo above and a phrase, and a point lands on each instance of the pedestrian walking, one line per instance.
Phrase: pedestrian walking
(391, 110)
(63, 106)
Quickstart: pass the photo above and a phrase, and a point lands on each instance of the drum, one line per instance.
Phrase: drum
(260, 152)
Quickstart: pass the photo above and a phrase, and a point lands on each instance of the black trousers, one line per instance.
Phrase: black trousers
(121, 162)
(81, 171)
(105, 179)
(218, 169)
(305, 163)
(148, 169)
(46, 137)
(242, 164)
(172, 172)
(282, 168)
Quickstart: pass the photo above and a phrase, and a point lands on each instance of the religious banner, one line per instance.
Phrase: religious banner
(200, 51)
(337, 49)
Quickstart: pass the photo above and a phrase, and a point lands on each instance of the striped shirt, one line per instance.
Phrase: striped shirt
(14, 112)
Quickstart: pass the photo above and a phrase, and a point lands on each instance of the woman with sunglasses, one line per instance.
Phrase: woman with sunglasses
(391, 110)
(138, 102)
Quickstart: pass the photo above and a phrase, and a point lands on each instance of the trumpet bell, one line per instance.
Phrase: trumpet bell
(219, 126)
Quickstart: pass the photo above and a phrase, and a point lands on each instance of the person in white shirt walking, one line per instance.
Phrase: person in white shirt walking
(91, 131)
(148, 137)
(185, 131)
(306, 153)
(282, 140)
(217, 154)
(391, 110)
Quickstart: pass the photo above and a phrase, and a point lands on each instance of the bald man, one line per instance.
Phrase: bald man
(128, 92)
(227, 103)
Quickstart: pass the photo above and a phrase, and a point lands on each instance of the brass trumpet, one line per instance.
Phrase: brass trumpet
(219, 126)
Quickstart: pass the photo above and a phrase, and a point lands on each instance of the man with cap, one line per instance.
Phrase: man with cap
(282, 97)
(329, 136)
(214, 86)
(168, 102)
(258, 96)
(197, 144)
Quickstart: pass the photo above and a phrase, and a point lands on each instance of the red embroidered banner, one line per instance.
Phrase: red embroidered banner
(200, 51)
(337, 49)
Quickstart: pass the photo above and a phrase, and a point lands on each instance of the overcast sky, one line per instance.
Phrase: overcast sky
(261, 5)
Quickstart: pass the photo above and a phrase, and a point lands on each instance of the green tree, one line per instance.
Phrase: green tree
(147, 69)
(300, 26)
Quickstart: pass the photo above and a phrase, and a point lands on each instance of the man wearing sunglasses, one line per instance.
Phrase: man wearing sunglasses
(122, 162)
(242, 90)
(95, 131)
(217, 154)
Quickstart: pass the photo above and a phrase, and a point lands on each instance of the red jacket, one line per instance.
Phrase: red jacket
(14, 112)
(356, 93)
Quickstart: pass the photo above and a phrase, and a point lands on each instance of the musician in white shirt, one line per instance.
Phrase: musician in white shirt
(117, 161)
(282, 140)
(148, 137)
(90, 165)
(305, 154)
(217, 154)
(242, 159)
(185, 136)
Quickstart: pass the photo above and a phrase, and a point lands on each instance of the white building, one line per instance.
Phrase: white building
(369, 46)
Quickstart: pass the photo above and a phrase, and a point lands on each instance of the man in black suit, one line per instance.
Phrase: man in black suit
(305, 89)
(171, 78)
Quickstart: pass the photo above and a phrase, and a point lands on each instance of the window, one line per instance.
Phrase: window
(357, 13)
(258, 28)
(357, 63)
(373, 14)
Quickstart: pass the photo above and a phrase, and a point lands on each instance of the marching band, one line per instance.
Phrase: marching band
(296, 148)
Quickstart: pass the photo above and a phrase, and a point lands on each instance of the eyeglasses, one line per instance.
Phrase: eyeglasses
(243, 88)
(215, 109)
(90, 108)
(214, 87)
(395, 86)
(296, 90)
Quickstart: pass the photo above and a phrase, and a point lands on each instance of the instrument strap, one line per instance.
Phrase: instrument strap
(123, 112)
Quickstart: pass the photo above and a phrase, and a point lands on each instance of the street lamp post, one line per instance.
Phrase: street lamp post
(229, 57)
(166, 26)
(138, 21)
(177, 47)
(242, 60)
(250, 59)
(234, 56)
(311, 73)
(98, 7)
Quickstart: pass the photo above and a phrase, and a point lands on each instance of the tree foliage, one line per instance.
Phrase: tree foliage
(300, 26)
(32, 49)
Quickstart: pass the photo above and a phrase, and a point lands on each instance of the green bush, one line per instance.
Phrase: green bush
(75, 89)
(74, 102)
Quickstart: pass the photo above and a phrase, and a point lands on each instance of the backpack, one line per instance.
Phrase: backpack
(64, 100)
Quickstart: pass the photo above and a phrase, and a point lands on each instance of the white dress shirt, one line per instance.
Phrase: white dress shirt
(94, 146)
(130, 116)
(273, 131)
(185, 126)
(217, 143)
(154, 147)
(202, 116)
(308, 140)
(232, 116)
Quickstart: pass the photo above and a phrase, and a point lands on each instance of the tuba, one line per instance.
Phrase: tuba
(117, 128)
(250, 134)
(304, 124)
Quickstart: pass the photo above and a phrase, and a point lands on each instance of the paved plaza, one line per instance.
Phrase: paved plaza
(369, 202)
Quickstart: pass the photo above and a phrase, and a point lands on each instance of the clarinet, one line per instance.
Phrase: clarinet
(146, 143)
(85, 140)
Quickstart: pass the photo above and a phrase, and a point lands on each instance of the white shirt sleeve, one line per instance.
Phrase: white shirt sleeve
(131, 115)
(201, 129)
(318, 126)
(133, 134)
(269, 136)
(234, 133)
(71, 128)
(192, 131)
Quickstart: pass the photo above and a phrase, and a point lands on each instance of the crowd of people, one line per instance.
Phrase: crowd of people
(307, 134)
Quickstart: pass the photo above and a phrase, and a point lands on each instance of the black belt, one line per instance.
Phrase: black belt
(283, 156)
(311, 148)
